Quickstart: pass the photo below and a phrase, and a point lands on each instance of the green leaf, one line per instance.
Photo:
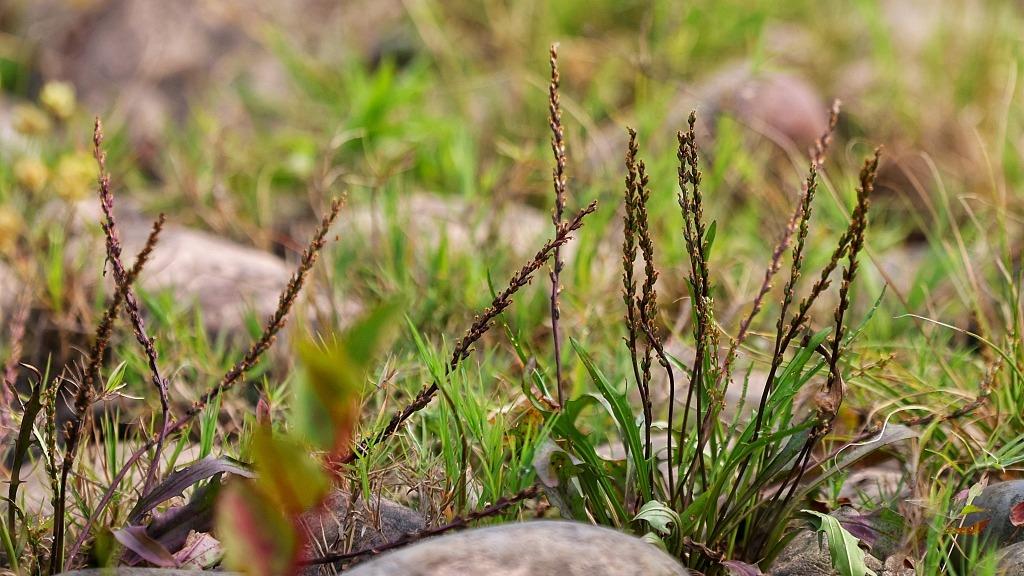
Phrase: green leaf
(709, 238)
(659, 516)
(847, 557)
(116, 379)
(334, 376)
(652, 538)
(624, 420)
(288, 475)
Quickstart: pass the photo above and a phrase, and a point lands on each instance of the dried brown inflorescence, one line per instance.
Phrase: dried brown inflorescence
(123, 294)
(558, 179)
(274, 325)
(642, 309)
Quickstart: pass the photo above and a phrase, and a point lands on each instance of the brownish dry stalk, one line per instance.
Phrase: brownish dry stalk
(459, 523)
(122, 281)
(274, 325)
(558, 178)
(783, 337)
(705, 339)
(277, 321)
(647, 305)
(131, 304)
(480, 326)
(829, 405)
(829, 400)
(91, 374)
(629, 288)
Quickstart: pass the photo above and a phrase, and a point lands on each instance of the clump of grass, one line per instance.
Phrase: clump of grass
(717, 491)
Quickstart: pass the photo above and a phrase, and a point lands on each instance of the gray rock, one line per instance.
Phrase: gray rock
(996, 501)
(874, 485)
(536, 548)
(807, 555)
(225, 280)
(426, 219)
(334, 529)
(782, 106)
(1011, 560)
(154, 59)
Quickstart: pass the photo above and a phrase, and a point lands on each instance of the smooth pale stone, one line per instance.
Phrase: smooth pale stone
(527, 549)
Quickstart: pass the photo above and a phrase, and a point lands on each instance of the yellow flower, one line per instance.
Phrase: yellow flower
(75, 176)
(31, 173)
(59, 99)
(10, 229)
(29, 120)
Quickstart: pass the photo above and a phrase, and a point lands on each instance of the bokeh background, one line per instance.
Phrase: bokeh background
(241, 118)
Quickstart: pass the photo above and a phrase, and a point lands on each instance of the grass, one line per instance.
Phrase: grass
(942, 357)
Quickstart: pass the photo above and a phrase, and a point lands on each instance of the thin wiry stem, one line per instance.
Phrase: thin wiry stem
(647, 305)
(784, 337)
(858, 224)
(91, 373)
(829, 400)
(122, 280)
(480, 326)
(695, 235)
(129, 300)
(559, 180)
(274, 325)
(86, 389)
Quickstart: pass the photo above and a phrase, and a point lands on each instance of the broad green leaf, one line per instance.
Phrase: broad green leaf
(652, 538)
(659, 516)
(847, 557)
(624, 420)
(178, 481)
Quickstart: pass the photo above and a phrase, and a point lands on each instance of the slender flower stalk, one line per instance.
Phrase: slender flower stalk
(271, 330)
(559, 180)
(480, 326)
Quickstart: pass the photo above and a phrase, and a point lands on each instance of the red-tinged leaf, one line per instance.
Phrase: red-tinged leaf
(327, 397)
(972, 530)
(737, 568)
(1017, 514)
(288, 473)
(263, 410)
(335, 373)
(180, 480)
(200, 551)
(259, 539)
(135, 539)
